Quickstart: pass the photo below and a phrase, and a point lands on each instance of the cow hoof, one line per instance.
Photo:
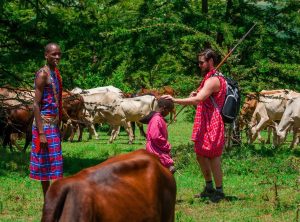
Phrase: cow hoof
(130, 142)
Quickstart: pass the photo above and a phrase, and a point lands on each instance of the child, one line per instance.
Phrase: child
(157, 133)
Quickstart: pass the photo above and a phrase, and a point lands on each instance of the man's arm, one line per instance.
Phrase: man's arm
(211, 85)
(40, 82)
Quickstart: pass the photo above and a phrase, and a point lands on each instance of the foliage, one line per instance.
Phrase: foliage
(138, 43)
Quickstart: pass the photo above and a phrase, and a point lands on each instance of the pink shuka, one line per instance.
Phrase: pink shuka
(157, 140)
(208, 131)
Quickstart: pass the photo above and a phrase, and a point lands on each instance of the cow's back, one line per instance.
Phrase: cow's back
(138, 107)
(275, 103)
(129, 187)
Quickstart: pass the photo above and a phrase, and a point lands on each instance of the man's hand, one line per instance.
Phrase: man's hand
(167, 97)
(43, 141)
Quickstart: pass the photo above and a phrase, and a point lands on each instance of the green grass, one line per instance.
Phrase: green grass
(250, 175)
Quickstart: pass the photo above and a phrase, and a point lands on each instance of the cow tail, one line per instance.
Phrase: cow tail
(54, 203)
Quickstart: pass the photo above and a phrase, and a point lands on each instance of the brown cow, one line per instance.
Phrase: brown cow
(129, 187)
(73, 115)
(19, 120)
(16, 115)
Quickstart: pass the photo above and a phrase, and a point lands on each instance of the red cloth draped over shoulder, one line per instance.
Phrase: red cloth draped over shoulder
(60, 93)
(208, 131)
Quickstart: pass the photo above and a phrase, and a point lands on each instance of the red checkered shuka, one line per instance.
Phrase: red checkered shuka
(208, 132)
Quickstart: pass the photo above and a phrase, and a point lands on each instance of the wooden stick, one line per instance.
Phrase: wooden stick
(222, 62)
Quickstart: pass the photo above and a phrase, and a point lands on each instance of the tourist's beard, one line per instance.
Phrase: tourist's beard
(204, 71)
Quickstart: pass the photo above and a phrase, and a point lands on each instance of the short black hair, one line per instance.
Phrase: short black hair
(49, 45)
(165, 103)
(209, 54)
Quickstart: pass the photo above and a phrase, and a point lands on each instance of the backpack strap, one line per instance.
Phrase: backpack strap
(214, 103)
(217, 73)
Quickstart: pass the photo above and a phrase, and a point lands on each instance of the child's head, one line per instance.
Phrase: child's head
(165, 106)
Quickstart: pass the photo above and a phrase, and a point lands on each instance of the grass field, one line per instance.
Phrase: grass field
(261, 182)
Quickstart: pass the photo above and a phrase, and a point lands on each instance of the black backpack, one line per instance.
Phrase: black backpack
(231, 107)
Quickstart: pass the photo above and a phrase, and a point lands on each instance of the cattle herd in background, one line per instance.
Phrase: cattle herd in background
(275, 110)
(81, 108)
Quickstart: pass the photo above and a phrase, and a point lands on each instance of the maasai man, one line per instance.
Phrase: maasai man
(208, 132)
(46, 162)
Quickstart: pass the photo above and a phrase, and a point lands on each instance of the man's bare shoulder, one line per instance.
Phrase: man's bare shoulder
(42, 73)
(212, 81)
(212, 84)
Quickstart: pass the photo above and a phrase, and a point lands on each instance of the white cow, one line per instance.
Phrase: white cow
(101, 89)
(248, 109)
(89, 114)
(110, 107)
(290, 119)
(126, 110)
(269, 108)
(95, 104)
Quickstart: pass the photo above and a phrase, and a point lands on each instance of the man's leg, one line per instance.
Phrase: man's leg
(204, 164)
(45, 186)
(215, 164)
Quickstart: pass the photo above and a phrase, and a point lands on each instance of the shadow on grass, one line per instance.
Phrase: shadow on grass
(233, 198)
(18, 163)
(73, 165)
(106, 141)
(206, 200)
(261, 149)
(73, 162)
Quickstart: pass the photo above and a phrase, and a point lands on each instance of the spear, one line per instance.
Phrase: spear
(231, 51)
(221, 63)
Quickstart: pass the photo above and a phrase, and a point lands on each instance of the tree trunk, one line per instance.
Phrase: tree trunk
(204, 6)
(229, 7)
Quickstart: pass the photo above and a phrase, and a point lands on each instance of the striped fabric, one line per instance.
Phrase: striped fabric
(47, 164)
(48, 104)
(208, 131)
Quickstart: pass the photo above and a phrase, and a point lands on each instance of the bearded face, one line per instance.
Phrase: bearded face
(203, 65)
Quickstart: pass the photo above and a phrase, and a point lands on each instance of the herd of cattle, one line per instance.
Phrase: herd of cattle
(277, 110)
(81, 108)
